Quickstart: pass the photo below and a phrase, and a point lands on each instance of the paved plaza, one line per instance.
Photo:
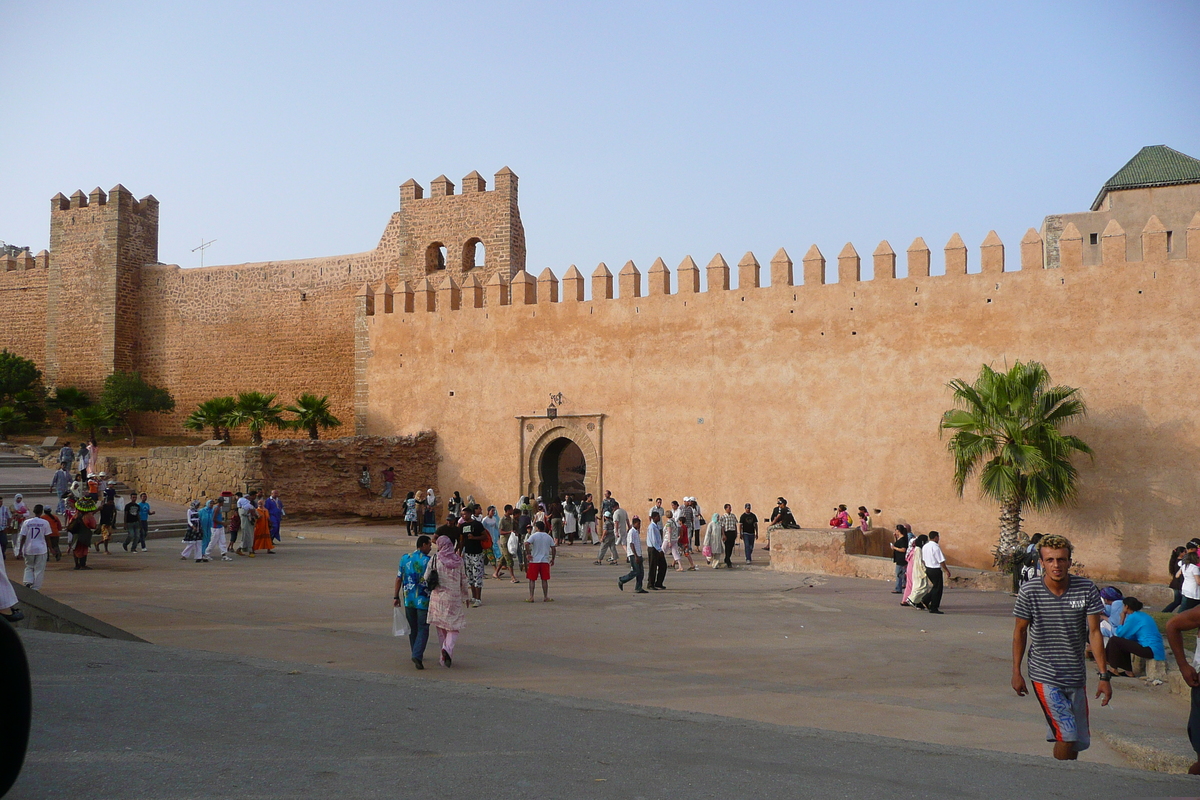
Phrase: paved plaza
(809, 652)
(119, 720)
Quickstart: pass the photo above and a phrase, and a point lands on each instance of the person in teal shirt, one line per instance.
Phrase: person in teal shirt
(1138, 635)
(410, 580)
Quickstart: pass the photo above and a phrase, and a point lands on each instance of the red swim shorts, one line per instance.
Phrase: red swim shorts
(535, 571)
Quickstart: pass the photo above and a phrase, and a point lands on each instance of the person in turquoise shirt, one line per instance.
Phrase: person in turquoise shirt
(1138, 635)
(410, 580)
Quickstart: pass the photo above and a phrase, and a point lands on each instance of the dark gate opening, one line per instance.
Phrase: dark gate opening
(562, 471)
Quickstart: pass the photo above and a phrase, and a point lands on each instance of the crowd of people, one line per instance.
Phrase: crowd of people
(87, 514)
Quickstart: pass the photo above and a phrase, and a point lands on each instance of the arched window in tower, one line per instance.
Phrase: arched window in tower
(435, 257)
(473, 255)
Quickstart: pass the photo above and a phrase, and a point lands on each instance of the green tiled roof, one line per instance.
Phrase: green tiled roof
(1156, 165)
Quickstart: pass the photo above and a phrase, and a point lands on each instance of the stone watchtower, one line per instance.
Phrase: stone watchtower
(476, 234)
(98, 244)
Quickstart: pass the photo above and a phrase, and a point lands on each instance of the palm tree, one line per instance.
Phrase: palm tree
(313, 412)
(1007, 429)
(10, 420)
(89, 418)
(68, 400)
(215, 414)
(256, 411)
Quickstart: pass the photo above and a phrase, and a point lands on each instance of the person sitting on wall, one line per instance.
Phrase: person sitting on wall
(781, 517)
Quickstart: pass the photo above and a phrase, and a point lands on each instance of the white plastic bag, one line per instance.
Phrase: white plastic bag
(399, 621)
(514, 543)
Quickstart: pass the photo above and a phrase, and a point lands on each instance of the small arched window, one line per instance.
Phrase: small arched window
(435, 257)
(473, 255)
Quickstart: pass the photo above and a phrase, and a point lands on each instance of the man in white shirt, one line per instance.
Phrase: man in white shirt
(539, 555)
(31, 542)
(633, 550)
(620, 523)
(658, 559)
(935, 562)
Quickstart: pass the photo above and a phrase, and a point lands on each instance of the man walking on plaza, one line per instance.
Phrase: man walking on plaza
(132, 510)
(935, 562)
(60, 484)
(31, 542)
(473, 534)
(899, 558)
(410, 581)
(587, 521)
(729, 529)
(748, 527)
(620, 523)
(66, 457)
(245, 512)
(633, 549)
(608, 542)
(658, 558)
(1057, 616)
(275, 513)
(144, 514)
(540, 553)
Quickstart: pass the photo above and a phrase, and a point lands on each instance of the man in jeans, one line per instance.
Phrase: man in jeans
(633, 549)
(144, 513)
(748, 527)
(389, 483)
(132, 511)
(900, 558)
(409, 579)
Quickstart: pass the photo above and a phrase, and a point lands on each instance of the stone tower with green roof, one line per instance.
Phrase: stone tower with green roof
(1158, 182)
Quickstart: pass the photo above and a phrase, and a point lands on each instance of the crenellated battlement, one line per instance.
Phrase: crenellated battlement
(631, 283)
(119, 197)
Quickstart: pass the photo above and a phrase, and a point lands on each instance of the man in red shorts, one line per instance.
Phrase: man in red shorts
(1057, 616)
(539, 555)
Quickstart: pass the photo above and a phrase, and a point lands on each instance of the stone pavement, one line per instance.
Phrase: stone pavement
(838, 654)
(117, 719)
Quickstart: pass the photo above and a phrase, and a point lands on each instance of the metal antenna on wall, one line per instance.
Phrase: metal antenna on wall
(203, 246)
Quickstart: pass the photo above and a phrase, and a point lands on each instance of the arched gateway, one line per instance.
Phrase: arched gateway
(562, 455)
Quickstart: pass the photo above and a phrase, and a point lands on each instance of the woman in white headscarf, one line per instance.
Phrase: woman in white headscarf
(714, 545)
(918, 584)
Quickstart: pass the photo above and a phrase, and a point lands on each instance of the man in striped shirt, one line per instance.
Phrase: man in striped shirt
(1057, 616)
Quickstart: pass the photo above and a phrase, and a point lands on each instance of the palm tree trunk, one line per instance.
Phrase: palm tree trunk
(313, 433)
(1010, 524)
(256, 436)
(216, 432)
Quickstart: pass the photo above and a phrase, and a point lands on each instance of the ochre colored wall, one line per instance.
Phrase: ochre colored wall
(23, 292)
(824, 394)
(224, 330)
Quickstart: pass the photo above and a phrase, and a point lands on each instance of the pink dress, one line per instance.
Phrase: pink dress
(447, 601)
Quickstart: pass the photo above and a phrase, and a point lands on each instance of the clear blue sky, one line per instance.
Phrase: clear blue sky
(637, 129)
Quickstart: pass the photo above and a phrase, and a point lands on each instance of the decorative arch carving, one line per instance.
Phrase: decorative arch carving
(546, 431)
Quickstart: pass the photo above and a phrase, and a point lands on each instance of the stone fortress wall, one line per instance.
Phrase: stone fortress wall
(825, 394)
(99, 301)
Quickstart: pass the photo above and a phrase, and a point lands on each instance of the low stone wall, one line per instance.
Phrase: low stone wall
(829, 551)
(314, 477)
(180, 474)
(853, 554)
(321, 478)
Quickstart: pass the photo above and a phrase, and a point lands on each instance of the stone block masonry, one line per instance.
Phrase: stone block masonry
(316, 478)
(99, 301)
